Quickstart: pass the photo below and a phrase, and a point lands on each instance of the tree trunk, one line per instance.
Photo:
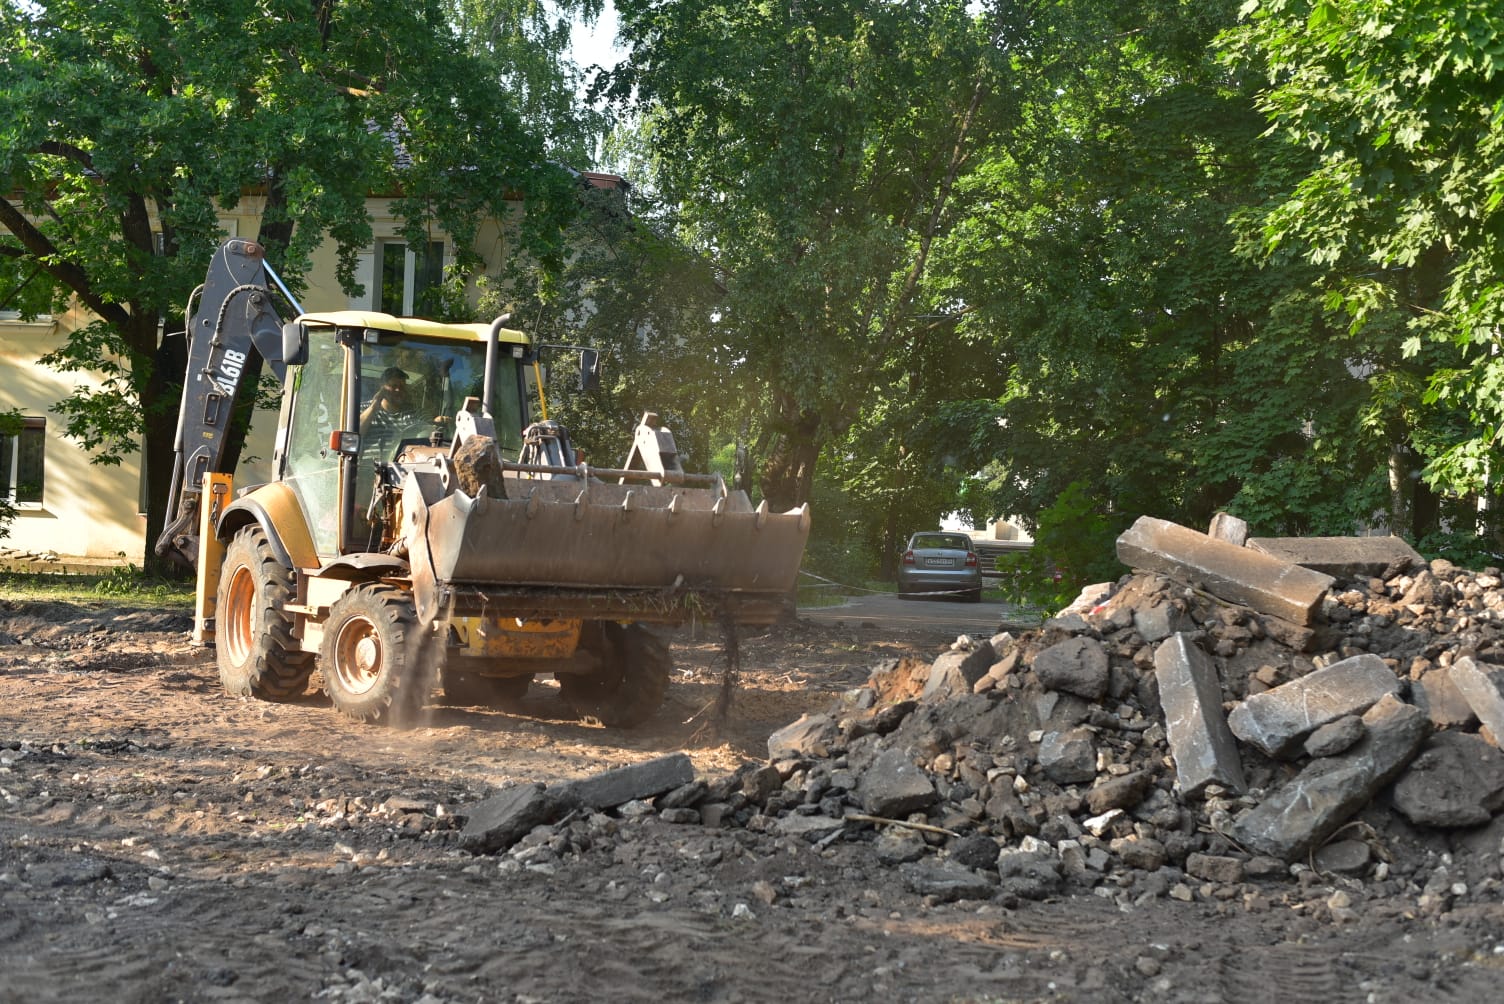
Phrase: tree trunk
(1425, 510)
(788, 469)
(889, 567)
(161, 396)
(1402, 476)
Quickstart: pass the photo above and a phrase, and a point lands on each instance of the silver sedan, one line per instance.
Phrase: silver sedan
(939, 563)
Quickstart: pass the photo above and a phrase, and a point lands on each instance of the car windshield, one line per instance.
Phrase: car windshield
(941, 541)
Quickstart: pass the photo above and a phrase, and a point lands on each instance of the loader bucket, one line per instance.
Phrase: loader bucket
(639, 551)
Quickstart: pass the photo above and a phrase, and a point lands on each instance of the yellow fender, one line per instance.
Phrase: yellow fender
(276, 509)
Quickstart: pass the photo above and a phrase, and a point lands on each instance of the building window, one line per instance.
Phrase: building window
(21, 463)
(407, 282)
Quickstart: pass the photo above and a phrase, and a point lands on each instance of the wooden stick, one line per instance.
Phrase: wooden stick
(925, 827)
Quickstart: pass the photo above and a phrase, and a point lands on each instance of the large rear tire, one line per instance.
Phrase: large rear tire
(464, 687)
(628, 686)
(370, 657)
(253, 641)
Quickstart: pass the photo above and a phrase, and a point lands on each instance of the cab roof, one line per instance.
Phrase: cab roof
(410, 326)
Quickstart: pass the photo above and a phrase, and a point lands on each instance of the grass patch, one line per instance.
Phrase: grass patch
(810, 598)
(816, 592)
(122, 587)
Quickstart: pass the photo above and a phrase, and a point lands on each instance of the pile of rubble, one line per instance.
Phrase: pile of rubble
(1235, 714)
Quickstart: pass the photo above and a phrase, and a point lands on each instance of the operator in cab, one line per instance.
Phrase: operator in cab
(390, 407)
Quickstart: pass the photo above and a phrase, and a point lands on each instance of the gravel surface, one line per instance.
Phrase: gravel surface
(161, 841)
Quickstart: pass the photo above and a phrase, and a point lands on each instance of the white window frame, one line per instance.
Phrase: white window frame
(8, 477)
(384, 245)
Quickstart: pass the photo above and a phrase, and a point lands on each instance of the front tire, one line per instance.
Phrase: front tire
(628, 686)
(254, 646)
(370, 656)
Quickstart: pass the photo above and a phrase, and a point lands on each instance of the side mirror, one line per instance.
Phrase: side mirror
(590, 369)
(294, 344)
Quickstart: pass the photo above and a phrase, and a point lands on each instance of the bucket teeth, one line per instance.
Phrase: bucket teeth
(632, 541)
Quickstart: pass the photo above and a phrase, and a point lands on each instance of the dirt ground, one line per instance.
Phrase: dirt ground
(160, 841)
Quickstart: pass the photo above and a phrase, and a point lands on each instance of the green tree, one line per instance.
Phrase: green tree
(1401, 205)
(1146, 359)
(630, 290)
(812, 154)
(525, 46)
(123, 126)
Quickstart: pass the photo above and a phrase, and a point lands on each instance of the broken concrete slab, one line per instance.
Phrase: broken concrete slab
(1088, 599)
(1226, 526)
(1457, 780)
(1068, 757)
(1482, 686)
(1345, 857)
(1236, 574)
(958, 672)
(1029, 871)
(1119, 792)
(1436, 695)
(975, 851)
(1204, 749)
(498, 822)
(1008, 814)
(808, 736)
(1342, 557)
(1323, 796)
(683, 797)
(1277, 721)
(758, 784)
(1215, 868)
(946, 881)
(1158, 622)
(894, 786)
(1077, 666)
(896, 846)
(812, 828)
(634, 781)
(1143, 853)
(997, 674)
(1291, 635)
(1334, 737)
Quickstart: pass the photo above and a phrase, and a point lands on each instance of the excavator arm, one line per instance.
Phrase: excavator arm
(234, 322)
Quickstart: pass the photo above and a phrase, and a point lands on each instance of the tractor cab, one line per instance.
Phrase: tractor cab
(372, 388)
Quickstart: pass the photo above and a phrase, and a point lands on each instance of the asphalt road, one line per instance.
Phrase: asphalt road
(980, 620)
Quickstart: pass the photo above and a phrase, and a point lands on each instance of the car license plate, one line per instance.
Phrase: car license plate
(937, 562)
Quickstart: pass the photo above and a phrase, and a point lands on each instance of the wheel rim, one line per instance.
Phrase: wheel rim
(358, 656)
(233, 633)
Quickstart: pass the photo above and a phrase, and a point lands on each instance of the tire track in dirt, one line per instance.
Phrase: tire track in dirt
(1252, 974)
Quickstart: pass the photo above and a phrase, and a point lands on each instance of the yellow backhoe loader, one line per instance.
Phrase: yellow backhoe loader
(427, 528)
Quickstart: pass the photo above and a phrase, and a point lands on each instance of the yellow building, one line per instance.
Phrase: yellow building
(72, 513)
